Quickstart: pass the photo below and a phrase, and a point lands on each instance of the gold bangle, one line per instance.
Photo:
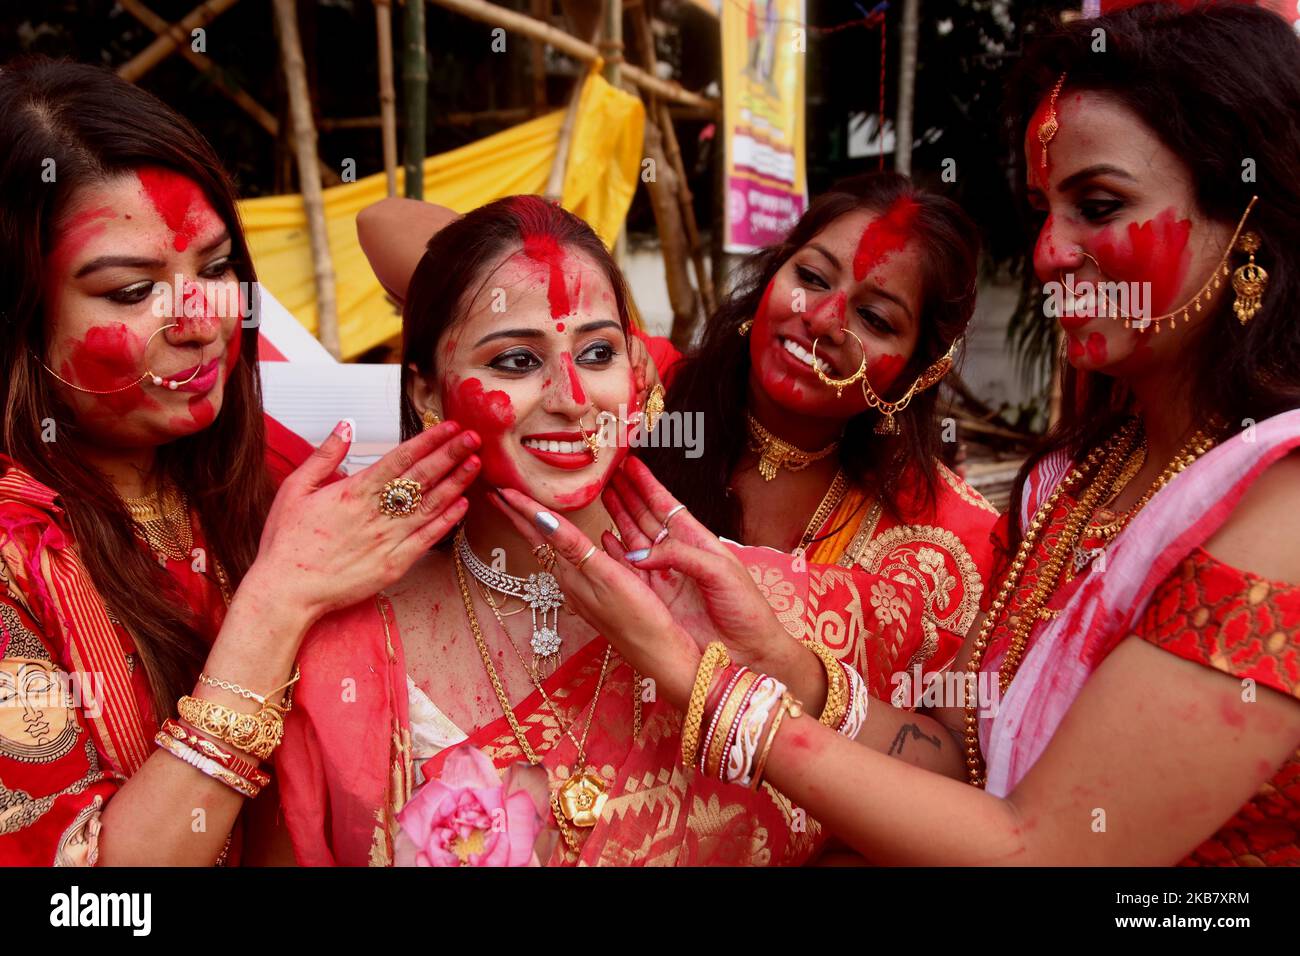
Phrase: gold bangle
(788, 706)
(837, 703)
(715, 656)
(256, 734)
(728, 712)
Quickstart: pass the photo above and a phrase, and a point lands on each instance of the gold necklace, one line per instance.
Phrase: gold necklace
(1105, 463)
(579, 800)
(162, 521)
(830, 501)
(775, 453)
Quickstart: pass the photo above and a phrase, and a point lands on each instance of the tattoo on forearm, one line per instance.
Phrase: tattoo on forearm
(911, 732)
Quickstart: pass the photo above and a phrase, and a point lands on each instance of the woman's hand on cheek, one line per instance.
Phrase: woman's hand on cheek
(708, 588)
(610, 596)
(328, 544)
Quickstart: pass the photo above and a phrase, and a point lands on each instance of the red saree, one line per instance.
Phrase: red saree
(68, 742)
(340, 801)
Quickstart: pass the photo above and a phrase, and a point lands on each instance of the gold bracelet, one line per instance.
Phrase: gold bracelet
(788, 706)
(837, 702)
(728, 712)
(715, 656)
(286, 702)
(256, 734)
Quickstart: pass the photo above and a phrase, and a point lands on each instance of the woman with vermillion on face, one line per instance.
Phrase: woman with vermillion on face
(162, 557)
(516, 323)
(1144, 629)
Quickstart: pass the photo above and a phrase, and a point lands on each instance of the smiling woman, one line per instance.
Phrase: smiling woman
(516, 325)
(147, 573)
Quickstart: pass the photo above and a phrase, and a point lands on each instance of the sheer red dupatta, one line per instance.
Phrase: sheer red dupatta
(345, 766)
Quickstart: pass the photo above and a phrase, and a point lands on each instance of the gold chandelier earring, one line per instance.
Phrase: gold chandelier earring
(430, 419)
(1248, 281)
(840, 384)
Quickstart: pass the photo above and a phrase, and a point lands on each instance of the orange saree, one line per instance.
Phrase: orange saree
(341, 801)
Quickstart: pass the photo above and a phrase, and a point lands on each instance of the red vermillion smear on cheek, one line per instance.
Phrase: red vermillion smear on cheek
(777, 381)
(1154, 251)
(178, 201)
(109, 357)
(1097, 348)
(887, 234)
(575, 384)
(492, 415)
(1045, 251)
(232, 350)
(1074, 347)
(547, 251)
(884, 370)
(573, 500)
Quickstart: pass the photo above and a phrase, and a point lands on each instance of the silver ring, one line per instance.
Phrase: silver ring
(669, 517)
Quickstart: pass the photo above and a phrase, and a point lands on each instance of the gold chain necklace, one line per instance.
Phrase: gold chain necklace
(162, 521)
(775, 453)
(1105, 463)
(830, 501)
(579, 800)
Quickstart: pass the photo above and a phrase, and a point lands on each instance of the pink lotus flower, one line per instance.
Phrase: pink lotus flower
(469, 816)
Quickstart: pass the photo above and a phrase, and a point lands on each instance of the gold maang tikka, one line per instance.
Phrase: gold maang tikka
(1049, 127)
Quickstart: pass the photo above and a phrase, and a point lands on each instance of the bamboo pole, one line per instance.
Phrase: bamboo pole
(672, 149)
(415, 81)
(217, 76)
(172, 39)
(304, 138)
(668, 217)
(537, 59)
(906, 89)
(555, 182)
(387, 95)
(566, 43)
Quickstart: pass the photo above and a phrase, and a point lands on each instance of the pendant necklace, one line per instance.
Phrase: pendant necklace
(540, 591)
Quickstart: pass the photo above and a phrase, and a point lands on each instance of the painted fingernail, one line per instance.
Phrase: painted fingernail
(547, 522)
(640, 554)
(471, 463)
(663, 533)
(344, 429)
(470, 439)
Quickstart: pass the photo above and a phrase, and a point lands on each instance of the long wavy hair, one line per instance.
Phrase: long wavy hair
(95, 126)
(1217, 84)
(714, 380)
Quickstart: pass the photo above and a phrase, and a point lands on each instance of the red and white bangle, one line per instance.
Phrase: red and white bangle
(206, 765)
(196, 741)
(764, 696)
(855, 715)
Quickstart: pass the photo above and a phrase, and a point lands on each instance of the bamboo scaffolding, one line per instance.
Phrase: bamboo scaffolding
(172, 39)
(566, 43)
(218, 77)
(415, 81)
(304, 139)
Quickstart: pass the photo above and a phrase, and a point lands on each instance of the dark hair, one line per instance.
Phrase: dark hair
(455, 268)
(714, 380)
(95, 126)
(1218, 85)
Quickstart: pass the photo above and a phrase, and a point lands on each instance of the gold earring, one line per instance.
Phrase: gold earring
(430, 418)
(745, 327)
(1248, 281)
(654, 407)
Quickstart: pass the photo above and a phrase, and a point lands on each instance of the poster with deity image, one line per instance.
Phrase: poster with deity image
(764, 52)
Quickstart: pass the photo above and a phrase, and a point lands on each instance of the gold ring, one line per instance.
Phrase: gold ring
(545, 556)
(399, 497)
(840, 384)
(585, 558)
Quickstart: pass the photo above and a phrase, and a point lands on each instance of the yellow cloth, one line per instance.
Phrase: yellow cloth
(600, 178)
